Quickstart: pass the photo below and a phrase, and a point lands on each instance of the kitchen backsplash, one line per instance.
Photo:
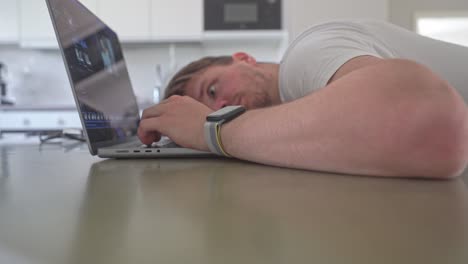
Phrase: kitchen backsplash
(38, 77)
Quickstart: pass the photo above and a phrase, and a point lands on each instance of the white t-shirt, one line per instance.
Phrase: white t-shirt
(314, 57)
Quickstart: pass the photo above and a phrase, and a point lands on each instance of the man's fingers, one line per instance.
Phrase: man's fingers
(167, 100)
(154, 111)
(161, 108)
(149, 130)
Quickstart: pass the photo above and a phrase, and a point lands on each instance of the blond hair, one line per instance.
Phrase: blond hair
(177, 85)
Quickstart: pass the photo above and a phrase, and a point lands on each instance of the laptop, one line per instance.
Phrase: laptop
(101, 86)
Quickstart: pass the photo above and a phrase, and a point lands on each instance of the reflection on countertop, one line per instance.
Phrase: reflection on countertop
(70, 207)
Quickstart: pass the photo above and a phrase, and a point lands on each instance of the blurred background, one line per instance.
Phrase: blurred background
(161, 36)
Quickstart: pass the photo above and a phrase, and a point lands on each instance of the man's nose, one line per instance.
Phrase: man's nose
(220, 104)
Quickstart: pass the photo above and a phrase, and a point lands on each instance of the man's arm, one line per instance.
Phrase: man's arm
(390, 118)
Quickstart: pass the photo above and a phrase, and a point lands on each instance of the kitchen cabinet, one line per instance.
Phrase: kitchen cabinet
(90, 4)
(36, 29)
(130, 19)
(177, 19)
(35, 24)
(9, 21)
(17, 119)
(133, 20)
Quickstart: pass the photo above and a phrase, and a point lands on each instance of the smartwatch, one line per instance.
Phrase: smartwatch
(213, 124)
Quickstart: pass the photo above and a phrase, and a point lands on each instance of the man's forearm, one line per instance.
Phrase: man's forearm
(390, 119)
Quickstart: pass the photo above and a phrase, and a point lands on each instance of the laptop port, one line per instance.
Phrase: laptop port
(122, 151)
(136, 151)
(148, 151)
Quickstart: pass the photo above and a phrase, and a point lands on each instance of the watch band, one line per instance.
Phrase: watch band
(213, 124)
(213, 138)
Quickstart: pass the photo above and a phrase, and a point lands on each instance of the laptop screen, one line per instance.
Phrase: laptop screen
(97, 72)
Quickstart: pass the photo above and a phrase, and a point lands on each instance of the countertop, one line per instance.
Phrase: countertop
(61, 205)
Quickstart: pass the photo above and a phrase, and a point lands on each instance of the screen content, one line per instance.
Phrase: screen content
(98, 72)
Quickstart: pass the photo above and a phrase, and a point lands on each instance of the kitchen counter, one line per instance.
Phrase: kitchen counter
(60, 205)
(14, 119)
(38, 108)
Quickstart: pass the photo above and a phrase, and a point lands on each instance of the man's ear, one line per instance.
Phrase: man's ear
(242, 56)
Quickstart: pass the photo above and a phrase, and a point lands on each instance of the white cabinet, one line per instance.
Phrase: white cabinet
(35, 24)
(130, 19)
(176, 19)
(9, 21)
(38, 119)
(133, 20)
(90, 4)
(36, 29)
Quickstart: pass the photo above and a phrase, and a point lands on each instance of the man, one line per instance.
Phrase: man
(357, 97)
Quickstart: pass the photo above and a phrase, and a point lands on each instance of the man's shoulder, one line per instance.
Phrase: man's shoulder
(315, 56)
(352, 32)
(324, 33)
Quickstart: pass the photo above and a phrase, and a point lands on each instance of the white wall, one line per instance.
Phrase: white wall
(402, 11)
(301, 14)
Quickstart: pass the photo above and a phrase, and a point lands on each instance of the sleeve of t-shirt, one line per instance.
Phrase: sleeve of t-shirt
(325, 48)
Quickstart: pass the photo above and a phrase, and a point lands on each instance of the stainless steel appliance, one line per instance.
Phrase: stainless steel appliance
(243, 14)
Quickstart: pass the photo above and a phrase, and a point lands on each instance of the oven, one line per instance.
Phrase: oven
(243, 14)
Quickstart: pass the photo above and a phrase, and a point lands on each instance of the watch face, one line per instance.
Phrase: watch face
(225, 114)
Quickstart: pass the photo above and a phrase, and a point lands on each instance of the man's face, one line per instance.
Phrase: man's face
(240, 83)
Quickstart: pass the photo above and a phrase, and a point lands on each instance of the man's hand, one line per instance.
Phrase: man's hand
(181, 118)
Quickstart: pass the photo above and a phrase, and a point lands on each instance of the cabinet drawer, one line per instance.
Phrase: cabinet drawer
(40, 120)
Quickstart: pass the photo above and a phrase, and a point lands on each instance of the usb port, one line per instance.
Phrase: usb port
(136, 151)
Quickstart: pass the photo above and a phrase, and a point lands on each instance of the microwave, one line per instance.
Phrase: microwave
(243, 14)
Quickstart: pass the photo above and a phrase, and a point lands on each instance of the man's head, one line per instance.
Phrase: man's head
(227, 80)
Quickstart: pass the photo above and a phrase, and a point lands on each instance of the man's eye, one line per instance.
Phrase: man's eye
(212, 91)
